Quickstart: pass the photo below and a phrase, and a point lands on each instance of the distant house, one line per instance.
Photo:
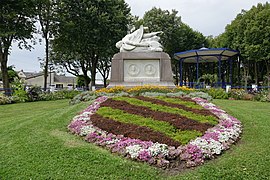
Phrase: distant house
(53, 80)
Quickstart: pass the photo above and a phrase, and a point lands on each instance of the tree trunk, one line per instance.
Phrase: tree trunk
(93, 71)
(246, 77)
(46, 63)
(93, 75)
(104, 81)
(255, 73)
(4, 59)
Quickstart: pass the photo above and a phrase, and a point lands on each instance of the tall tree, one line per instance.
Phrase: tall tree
(249, 34)
(87, 28)
(177, 36)
(46, 10)
(16, 24)
(104, 66)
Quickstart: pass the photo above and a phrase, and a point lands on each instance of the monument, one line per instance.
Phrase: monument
(141, 61)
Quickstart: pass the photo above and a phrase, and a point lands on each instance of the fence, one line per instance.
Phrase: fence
(10, 91)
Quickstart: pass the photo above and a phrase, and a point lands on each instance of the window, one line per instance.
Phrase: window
(59, 86)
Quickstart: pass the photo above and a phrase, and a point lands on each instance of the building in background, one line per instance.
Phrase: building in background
(54, 81)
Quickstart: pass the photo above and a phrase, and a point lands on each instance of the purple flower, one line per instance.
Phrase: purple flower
(145, 155)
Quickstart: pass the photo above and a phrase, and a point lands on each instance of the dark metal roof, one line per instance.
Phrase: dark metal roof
(205, 55)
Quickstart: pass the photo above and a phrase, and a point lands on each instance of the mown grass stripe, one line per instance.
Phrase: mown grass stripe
(200, 118)
(118, 115)
(180, 101)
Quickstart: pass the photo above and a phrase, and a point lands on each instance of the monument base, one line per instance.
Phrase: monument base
(133, 84)
(131, 69)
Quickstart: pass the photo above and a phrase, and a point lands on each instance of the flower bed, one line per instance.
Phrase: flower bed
(212, 143)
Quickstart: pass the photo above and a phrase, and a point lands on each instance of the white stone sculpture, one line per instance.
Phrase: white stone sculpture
(138, 41)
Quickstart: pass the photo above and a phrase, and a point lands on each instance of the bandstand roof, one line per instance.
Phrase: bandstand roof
(205, 55)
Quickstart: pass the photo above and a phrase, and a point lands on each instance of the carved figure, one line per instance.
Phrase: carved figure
(138, 41)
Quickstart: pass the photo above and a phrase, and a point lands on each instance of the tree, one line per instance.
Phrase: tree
(177, 36)
(104, 66)
(16, 24)
(45, 15)
(87, 29)
(82, 82)
(249, 34)
(12, 74)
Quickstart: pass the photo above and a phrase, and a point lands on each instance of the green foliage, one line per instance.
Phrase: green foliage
(62, 94)
(34, 93)
(16, 25)
(86, 32)
(249, 34)
(83, 81)
(237, 93)
(20, 95)
(201, 95)
(263, 96)
(179, 101)
(5, 99)
(217, 93)
(66, 94)
(177, 36)
(164, 127)
(156, 107)
(208, 79)
(83, 97)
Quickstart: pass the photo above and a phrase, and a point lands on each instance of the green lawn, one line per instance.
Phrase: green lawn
(35, 144)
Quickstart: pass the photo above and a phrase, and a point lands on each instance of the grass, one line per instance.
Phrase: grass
(35, 144)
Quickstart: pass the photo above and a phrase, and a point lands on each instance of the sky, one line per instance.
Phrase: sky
(209, 17)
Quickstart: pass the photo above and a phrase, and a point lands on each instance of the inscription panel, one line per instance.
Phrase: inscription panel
(141, 70)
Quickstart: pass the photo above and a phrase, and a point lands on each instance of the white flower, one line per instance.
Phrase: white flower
(133, 150)
(113, 141)
(86, 130)
(158, 148)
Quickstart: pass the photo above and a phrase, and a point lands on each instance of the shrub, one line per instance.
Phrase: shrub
(83, 97)
(66, 94)
(5, 99)
(46, 96)
(20, 95)
(201, 95)
(217, 93)
(237, 93)
(263, 96)
(248, 96)
(34, 93)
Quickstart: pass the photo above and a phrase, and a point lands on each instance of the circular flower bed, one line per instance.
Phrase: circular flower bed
(212, 143)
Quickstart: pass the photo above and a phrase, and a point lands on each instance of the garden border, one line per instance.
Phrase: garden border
(212, 143)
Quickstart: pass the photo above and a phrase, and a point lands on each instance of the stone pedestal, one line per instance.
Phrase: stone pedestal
(131, 69)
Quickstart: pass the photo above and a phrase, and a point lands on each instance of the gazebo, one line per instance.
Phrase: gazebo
(206, 55)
